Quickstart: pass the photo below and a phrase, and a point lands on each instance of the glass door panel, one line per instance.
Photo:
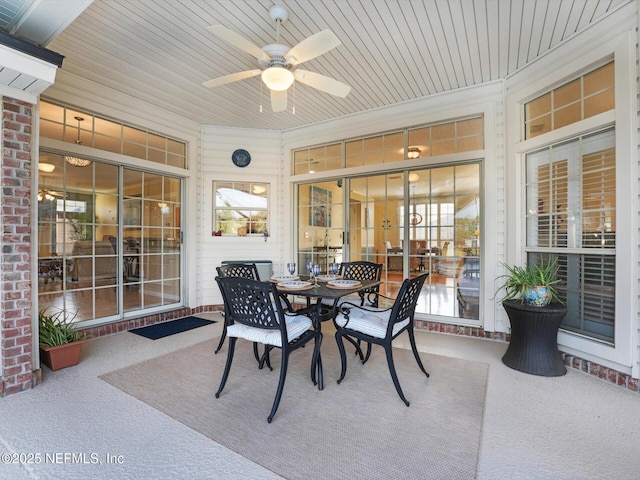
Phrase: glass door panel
(321, 223)
(94, 233)
(412, 222)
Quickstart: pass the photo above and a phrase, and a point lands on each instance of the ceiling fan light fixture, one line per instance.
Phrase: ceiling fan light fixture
(46, 167)
(277, 78)
(413, 152)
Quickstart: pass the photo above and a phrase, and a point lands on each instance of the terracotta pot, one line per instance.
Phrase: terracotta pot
(61, 356)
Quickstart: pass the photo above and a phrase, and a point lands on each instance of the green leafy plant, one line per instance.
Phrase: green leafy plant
(518, 279)
(57, 328)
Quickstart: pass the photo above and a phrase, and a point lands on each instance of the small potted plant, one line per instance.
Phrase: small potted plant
(535, 320)
(59, 341)
(533, 284)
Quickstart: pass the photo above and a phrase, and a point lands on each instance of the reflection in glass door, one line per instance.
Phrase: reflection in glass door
(106, 247)
(320, 224)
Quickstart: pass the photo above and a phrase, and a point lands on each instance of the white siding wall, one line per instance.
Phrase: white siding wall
(218, 143)
(614, 37)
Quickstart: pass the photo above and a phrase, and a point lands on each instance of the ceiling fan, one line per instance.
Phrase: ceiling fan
(279, 63)
(50, 195)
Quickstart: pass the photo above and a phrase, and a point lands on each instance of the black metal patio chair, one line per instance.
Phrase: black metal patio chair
(360, 270)
(255, 314)
(381, 326)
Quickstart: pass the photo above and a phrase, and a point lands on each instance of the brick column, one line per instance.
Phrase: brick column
(16, 335)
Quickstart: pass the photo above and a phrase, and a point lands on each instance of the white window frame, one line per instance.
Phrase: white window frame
(274, 192)
(623, 118)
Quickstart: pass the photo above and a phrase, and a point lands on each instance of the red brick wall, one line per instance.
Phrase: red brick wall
(16, 336)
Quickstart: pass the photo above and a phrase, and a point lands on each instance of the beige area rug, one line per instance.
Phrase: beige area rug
(358, 429)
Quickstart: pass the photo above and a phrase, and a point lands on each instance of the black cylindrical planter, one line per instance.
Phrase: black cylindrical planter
(534, 339)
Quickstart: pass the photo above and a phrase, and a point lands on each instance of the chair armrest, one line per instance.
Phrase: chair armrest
(345, 309)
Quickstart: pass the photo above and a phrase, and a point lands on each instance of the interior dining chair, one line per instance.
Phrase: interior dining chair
(381, 326)
(255, 314)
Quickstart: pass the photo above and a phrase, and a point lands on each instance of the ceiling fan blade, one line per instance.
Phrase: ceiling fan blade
(279, 100)
(216, 82)
(312, 47)
(326, 84)
(237, 40)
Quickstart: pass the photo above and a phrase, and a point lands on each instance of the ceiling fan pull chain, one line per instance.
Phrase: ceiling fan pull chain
(293, 102)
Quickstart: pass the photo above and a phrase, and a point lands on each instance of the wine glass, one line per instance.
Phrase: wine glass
(310, 267)
(315, 270)
(334, 268)
(291, 268)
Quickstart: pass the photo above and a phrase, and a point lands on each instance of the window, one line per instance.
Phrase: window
(582, 98)
(571, 215)
(61, 123)
(240, 208)
(464, 135)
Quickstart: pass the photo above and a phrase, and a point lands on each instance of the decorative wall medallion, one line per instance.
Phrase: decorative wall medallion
(241, 158)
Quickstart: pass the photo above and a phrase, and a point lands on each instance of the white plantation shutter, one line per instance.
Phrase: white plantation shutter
(571, 215)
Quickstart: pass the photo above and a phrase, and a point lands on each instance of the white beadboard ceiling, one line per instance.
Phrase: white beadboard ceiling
(392, 51)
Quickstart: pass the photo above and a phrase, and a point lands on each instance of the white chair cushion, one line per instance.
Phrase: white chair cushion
(373, 323)
(296, 326)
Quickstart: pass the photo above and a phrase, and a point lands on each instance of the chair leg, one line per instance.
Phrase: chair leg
(315, 358)
(394, 376)
(412, 339)
(262, 359)
(368, 354)
(343, 355)
(227, 366)
(357, 346)
(265, 359)
(222, 337)
(283, 376)
(353, 342)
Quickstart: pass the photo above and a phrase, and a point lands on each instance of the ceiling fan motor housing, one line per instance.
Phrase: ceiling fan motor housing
(276, 53)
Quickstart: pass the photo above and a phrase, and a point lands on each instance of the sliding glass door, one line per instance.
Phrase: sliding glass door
(412, 222)
(108, 239)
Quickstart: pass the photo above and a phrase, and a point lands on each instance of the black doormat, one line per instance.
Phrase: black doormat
(164, 329)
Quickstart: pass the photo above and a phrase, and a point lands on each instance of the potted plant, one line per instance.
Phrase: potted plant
(59, 341)
(533, 284)
(535, 312)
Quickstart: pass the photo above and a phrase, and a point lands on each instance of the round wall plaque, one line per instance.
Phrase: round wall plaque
(241, 158)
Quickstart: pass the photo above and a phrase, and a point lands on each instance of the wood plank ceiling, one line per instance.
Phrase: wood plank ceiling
(392, 51)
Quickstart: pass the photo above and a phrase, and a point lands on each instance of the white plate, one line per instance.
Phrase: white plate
(345, 283)
(284, 278)
(294, 285)
(327, 278)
